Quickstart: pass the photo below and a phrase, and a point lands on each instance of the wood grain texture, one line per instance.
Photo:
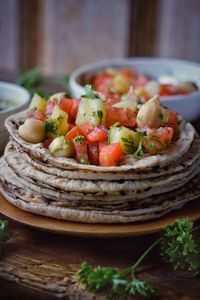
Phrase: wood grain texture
(143, 27)
(178, 29)
(79, 32)
(38, 265)
(9, 35)
(30, 38)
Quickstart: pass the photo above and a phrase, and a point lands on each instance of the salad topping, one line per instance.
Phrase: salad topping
(100, 130)
(120, 80)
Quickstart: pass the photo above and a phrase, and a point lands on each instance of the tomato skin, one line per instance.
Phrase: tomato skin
(112, 98)
(173, 117)
(93, 153)
(75, 131)
(124, 116)
(70, 126)
(164, 136)
(110, 155)
(80, 146)
(86, 129)
(97, 135)
(102, 144)
(70, 106)
(37, 114)
(47, 142)
(141, 81)
(103, 82)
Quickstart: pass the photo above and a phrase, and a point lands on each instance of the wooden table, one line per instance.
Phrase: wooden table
(40, 265)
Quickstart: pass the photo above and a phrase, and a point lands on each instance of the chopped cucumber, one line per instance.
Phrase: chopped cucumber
(61, 119)
(38, 102)
(92, 111)
(126, 137)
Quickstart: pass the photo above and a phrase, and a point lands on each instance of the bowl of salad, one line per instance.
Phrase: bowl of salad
(177, 82)
(13, 98)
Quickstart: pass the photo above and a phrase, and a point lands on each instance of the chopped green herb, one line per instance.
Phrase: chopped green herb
(178, 247)
(89, 92)
(79, 139)
(51, 125)
(129, 145)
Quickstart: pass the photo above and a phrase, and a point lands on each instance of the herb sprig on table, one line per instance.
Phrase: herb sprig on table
(4, 233)
(178, 247)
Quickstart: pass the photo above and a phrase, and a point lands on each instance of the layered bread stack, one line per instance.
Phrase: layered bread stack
(137, 190)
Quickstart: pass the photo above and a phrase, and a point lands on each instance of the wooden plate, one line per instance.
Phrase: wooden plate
(191, 210)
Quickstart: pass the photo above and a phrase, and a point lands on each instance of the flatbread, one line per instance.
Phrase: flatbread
(187, 133)
(31, 203)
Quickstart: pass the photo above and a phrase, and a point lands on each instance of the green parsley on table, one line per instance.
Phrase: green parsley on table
(178, 247)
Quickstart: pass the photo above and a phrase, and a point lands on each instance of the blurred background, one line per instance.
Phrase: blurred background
(65, 34)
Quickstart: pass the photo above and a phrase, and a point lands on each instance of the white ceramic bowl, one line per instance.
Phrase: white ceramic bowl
(186, 105)
(20, 98)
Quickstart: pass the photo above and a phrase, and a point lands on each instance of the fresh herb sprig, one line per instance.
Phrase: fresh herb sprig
(89, 93)
(178, 247)
(4, 233)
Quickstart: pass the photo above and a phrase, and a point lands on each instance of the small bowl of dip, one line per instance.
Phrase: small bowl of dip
(13, 98)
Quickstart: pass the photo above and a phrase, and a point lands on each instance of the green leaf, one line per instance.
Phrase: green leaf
(139, 287)
(89, 92)
(179, 247)
(51, 125)
(30, 79)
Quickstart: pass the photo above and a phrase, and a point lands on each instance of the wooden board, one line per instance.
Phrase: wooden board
(192, 211)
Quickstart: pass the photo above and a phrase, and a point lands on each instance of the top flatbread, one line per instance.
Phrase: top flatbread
(131, 164)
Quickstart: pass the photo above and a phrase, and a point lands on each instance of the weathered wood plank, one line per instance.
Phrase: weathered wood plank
(9, 35)
(178, 29)
(75, 33)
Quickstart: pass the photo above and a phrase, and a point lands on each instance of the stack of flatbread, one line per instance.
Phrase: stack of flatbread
(140, 189)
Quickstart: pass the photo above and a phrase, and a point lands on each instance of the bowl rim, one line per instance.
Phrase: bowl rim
(25, 98)
(127, 60)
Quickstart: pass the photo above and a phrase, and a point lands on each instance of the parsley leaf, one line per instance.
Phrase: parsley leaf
(89, 92)
(178, 247)
(51, 125)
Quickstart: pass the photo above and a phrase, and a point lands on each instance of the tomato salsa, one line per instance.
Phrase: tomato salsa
(100, 129)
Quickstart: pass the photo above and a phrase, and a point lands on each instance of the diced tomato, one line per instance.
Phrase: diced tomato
(141, 81)
(167, 90)
(50, 107)
(70, 126)
(37, 114)
(80, 146)
(173, 117)
(47, 142)
(124, 116)
(86, 129)
(103, 82)
(93, 153)
(75, 131)
(102, 144)
(97, 135)
(160, 141)
(128, 73)
(70, 106)
(110, 155)
(112, 98)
